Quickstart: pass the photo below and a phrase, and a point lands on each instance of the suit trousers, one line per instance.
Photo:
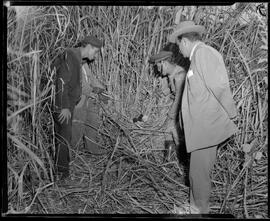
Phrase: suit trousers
(201, 164)
(63, 132)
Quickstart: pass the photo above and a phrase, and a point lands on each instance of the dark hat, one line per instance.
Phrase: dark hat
(93, 41)
(162, 55)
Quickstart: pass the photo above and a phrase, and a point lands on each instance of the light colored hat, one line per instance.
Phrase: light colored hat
(185, 27)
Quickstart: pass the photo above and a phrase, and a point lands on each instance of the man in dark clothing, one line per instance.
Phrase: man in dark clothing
(68, 91)
(170, 64)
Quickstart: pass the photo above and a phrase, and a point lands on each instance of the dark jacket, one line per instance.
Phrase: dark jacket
(68, 87)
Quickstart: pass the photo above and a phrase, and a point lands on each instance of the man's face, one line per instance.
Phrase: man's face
(160, 67)
(92, 52)
(164, 67)
(182, 44)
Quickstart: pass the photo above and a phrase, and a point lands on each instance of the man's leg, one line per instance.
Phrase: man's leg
(63, 136)
(78, 126)
(201, 164)
(92, 136)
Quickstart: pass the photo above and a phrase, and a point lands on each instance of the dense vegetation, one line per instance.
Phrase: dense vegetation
(131, 177)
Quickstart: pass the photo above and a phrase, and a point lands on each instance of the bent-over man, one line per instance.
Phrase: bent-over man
(68, 91)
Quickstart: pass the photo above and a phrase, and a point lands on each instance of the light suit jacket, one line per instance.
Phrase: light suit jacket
(207, 102)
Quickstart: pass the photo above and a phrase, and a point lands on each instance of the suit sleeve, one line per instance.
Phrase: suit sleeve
(214, 74)
(63, 81)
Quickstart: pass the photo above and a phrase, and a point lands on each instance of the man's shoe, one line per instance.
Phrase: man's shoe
(67, 182)
(62, 179)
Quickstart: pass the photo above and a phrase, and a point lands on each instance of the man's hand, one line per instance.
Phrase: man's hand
(173, 130)
(175, 135)
(172, 114)
(103, 98)
(98, 90)
(64, 115)
(235, 119)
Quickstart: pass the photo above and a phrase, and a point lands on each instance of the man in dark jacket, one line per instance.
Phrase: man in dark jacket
(170, 64)
(68, 91)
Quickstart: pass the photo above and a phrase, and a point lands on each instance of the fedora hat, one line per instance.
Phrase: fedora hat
(162, 55)
(185, 27)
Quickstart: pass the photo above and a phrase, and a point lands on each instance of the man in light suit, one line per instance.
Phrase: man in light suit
(208, 109)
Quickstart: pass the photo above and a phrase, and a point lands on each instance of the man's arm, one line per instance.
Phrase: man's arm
(62, 81)
(215, 76)
(179, 84)
(62, 85)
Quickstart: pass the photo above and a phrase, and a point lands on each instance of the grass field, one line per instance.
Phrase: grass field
(131, 177)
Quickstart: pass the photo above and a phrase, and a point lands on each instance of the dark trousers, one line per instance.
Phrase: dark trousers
(63, 137)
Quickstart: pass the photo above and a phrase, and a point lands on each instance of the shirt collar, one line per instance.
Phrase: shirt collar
(193, 49)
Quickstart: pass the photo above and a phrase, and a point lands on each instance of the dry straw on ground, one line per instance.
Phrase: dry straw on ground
(131, 176)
